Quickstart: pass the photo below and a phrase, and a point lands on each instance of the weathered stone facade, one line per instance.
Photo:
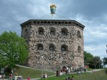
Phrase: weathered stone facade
(54, 43)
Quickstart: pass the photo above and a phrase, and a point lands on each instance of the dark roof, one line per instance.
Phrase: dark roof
(52, 21)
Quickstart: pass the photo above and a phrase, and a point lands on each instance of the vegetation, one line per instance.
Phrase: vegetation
(105, 60)
(96, 62)
(92, 61)
(87, 58)
(89, 69)
(13, 49)
(99, 75)
(32, 73)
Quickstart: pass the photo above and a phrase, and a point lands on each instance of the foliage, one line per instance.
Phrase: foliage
(13, 49)
(105, 60)
(87, 58)
(96, 62)
(91, 61)
(106, 70)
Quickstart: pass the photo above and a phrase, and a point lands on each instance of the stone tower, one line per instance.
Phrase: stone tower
(54, 43)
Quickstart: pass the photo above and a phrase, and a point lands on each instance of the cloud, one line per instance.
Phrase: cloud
(89, 8)
(91, 13)
(96, 50)
(14, 12)
(94, 35)
(93, 29)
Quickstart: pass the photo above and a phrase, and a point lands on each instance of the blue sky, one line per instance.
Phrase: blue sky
(91, 13)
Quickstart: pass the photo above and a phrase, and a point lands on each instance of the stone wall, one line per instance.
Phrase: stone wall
(57, 58)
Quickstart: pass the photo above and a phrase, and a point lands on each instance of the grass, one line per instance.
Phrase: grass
(26, 72)
(89, 69)
(99, 75)
(32, 73)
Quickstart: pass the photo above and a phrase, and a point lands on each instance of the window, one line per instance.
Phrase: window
(52, 31)
(25, 32)
(41, 31)
(39, 47)
(78, 34)
(64, 48)
(64, 31)
(51, 47)
(79, 49)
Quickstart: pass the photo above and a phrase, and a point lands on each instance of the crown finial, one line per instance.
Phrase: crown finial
(52, 8)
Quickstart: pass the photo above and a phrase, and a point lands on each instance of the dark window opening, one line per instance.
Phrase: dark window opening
(52, 31)
(78, 34)
(64, 48)
(51, 47)
(25, 32)
(79, 49)
(40, 47)
(41, 31)
(64, 31)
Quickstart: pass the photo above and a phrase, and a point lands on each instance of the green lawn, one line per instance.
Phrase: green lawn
(99, 75)
(89, 69)
(33, 73)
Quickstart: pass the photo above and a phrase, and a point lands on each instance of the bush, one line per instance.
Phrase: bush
(106, 71)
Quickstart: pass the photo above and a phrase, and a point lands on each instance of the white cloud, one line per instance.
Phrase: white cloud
(38, 9)
(93, 30)
(98, 34)
(96, 50)
(94, 36)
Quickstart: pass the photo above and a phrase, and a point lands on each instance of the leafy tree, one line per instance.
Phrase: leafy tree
(87, 58)
(91, 61)
(105, 60)
(96, 62)
(13, 49)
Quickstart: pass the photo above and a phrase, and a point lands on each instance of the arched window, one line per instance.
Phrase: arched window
(64, 48)
(41, 31)
(26, 32)
(52, 31)
(39, 47)
(51, 47)
(78, 34)
(64, 31)
(79, 49)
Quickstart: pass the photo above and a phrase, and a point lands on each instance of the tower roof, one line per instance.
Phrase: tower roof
(52, 22)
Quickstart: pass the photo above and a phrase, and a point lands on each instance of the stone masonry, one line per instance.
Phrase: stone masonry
(54, 43)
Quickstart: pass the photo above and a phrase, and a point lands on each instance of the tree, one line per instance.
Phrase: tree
(13, 49)
(87, 58)
(96, 62)
(91, 61)
(105, 60)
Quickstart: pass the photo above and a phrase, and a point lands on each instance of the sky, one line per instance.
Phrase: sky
(91, 13)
